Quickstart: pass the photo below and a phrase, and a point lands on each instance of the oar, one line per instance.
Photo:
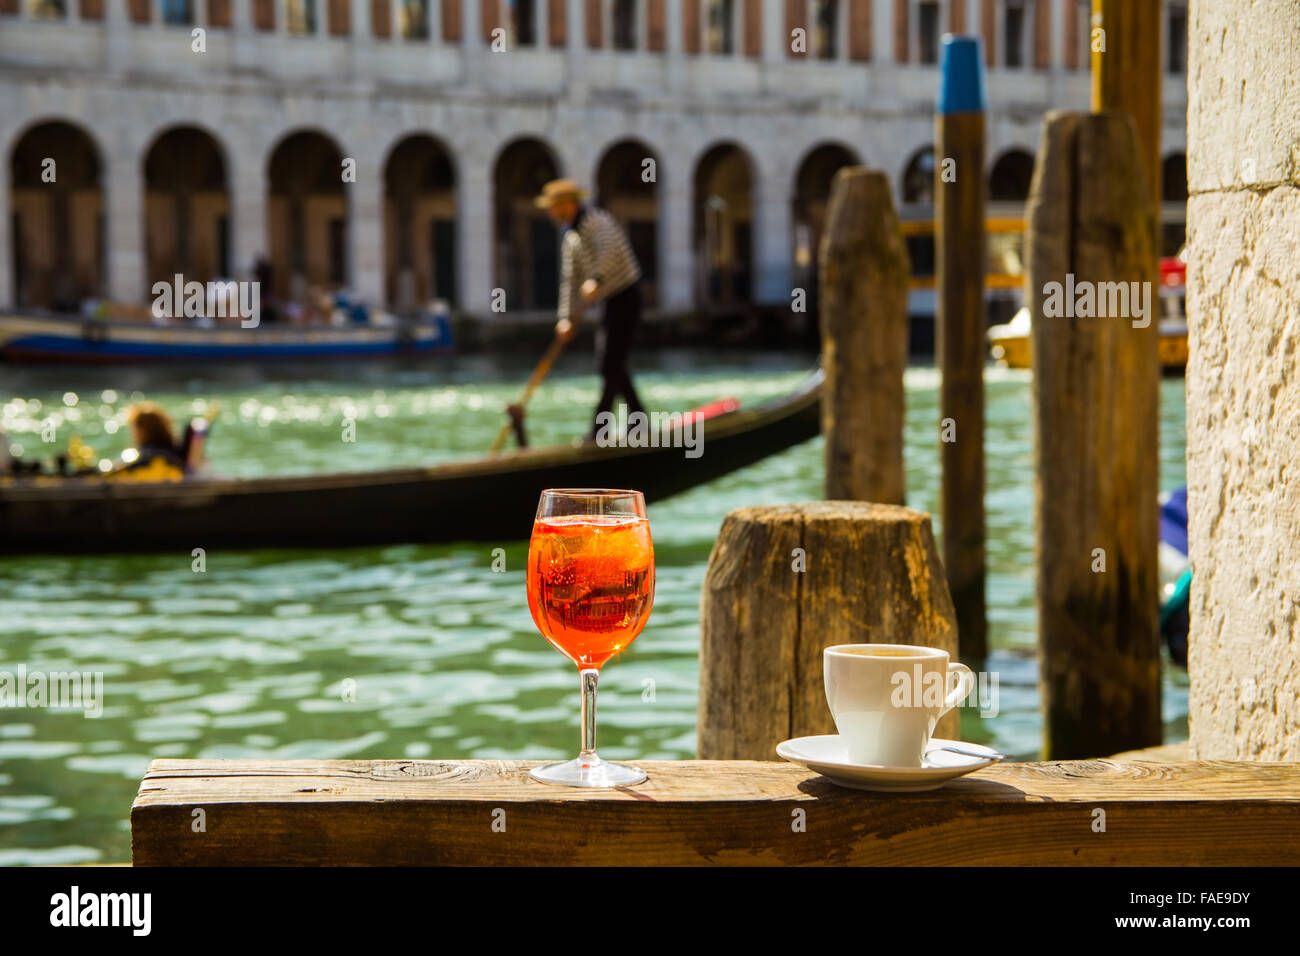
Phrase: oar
(516, 411)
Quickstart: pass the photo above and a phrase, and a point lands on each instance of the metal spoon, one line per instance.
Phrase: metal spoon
(968, 753)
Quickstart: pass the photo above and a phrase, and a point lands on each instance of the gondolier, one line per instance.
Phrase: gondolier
(597, 265)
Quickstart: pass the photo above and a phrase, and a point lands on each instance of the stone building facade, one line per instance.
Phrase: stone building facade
(392, 146)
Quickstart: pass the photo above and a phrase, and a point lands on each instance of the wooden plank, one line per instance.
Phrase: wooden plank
(411, 812)
(1164, 753)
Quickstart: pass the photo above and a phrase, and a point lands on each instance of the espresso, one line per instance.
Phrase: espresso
(884, 652)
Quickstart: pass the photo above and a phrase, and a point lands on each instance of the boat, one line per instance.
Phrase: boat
(1010, 348)
(51, 337)
(486, 499)
(1009, 343)
(1175, 571)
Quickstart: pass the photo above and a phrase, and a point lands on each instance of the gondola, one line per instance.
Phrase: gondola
(488, 499)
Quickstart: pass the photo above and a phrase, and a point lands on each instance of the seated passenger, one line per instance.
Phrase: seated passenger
(156, 455)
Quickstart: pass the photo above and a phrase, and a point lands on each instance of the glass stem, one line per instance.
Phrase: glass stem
(589, 677)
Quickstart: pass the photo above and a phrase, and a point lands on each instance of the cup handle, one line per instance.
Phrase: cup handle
(964, 686)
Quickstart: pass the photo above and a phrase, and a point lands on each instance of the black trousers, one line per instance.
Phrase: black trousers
(613, 342)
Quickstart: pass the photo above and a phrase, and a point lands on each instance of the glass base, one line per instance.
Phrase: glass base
(588, 770)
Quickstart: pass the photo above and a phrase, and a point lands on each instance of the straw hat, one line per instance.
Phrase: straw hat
(558, 189)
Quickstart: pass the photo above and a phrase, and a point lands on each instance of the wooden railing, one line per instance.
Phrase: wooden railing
(739, 812)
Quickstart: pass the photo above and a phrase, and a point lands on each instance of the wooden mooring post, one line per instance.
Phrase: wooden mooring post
(1096, 393)
(1127, 72)
(863, 282)
(787, 581)
(960, 329)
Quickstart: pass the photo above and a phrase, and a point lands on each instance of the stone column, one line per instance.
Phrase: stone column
(776, 42)
(676, 255)
(471, 43)
(674, 63)
(575, 28)
(842, 38)
(366, 230)
(244, 34)
(1243, 393)
(1056, 12)
(474, 221)
(471, 25)
(359, 11)
(124, 208)
(771, 236)
(541, 24)
(249, 188)
(433, 12)
(882, 31)
(118, 27)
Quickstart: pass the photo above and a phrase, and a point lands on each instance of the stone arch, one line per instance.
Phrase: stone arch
(916, 186)
(186, 206)
(307, 213)
(525, 242)
(812, 193)
(1010, 176)
(420, 259)
(621, 186)
(723, 219)
(58, 216)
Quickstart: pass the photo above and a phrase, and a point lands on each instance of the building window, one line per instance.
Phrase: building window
(1014, 34)
(46, 9)
(177, 12)
(414, 22)
(825, 35)
(927, 21)
(1177, 39)
(522, 18)
(300, 17)
(721, 27)
(624, 24)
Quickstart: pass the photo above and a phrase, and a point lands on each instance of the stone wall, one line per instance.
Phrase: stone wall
(1243, 380)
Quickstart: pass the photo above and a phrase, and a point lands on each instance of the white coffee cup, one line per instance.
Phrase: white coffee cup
(886, 698)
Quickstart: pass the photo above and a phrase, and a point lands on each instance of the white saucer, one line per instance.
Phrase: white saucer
(826, 754)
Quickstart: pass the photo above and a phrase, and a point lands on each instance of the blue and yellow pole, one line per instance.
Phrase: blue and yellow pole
(960, 328)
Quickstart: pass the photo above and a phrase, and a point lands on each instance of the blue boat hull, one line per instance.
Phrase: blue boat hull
(72, 340)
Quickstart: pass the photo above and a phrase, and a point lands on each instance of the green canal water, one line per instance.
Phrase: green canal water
(252, 657)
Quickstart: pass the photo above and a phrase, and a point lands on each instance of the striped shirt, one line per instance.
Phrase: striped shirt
(594, 247)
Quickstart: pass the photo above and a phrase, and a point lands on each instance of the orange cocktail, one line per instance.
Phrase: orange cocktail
(591, 582)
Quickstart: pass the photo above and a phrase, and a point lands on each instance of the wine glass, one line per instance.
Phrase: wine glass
(591, 582)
